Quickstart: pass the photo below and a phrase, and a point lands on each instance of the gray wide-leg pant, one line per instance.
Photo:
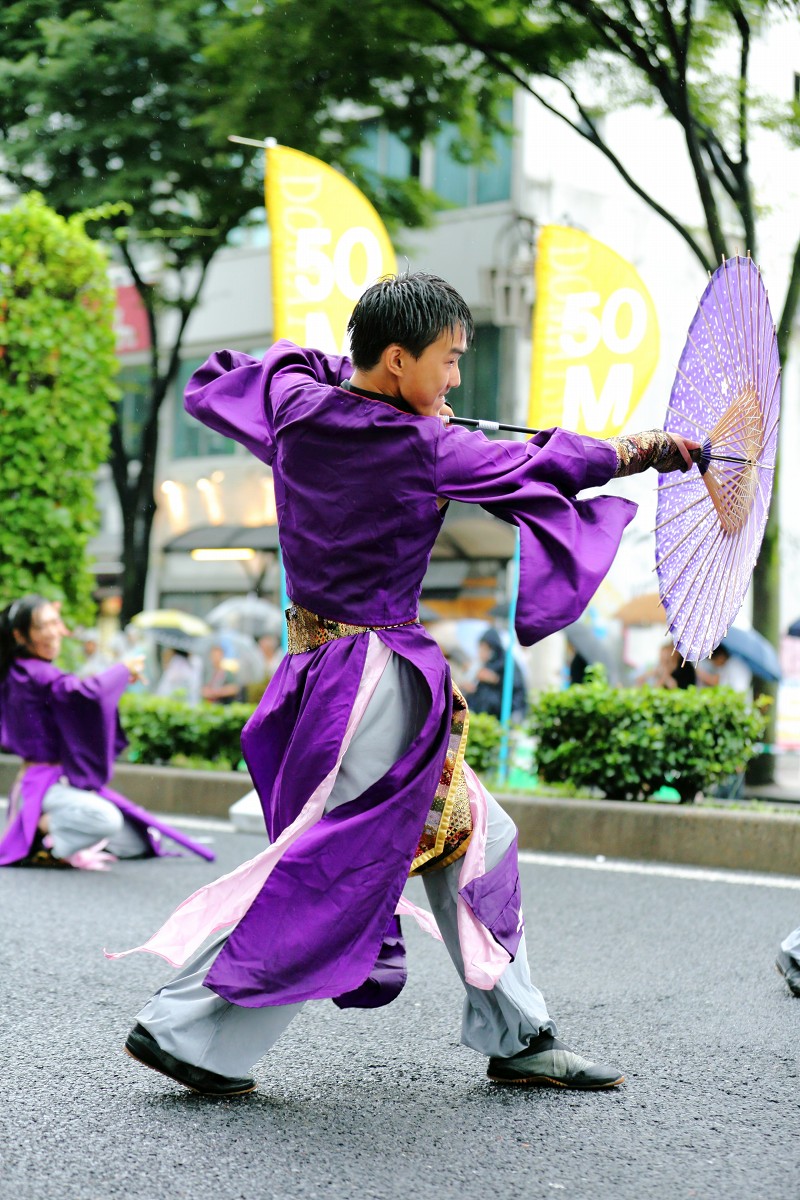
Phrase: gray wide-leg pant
(197, 1026)
(79, 819)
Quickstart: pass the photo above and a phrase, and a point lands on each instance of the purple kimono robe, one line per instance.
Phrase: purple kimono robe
(356, 485)
(63, 726)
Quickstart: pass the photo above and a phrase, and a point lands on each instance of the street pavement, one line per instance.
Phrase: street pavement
(666, 974)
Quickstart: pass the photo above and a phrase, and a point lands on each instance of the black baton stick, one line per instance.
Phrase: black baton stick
(702, 456)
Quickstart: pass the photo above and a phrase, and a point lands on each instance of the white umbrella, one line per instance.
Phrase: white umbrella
(247, 614)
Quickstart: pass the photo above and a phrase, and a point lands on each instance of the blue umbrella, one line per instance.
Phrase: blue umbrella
(753, 649)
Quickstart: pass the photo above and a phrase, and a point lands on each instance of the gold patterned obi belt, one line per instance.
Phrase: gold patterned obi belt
(448, 825)
(308, 631)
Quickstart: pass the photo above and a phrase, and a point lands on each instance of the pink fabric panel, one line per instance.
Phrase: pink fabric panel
(484, 959)
(225, 901)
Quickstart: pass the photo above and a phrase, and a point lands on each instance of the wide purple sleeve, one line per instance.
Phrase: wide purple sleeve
(86, 713)
(567, 545)
(236, 394)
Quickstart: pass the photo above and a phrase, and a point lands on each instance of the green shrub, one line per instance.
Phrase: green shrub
(161, 730)
(483, 743)
(629, 742)
(57, 395)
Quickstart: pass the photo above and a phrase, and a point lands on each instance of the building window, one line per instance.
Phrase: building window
(467, 184)
(134, 405)
(384, 153)
(479, 394)
(190, 439)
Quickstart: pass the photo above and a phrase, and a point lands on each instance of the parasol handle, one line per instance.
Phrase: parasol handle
(704, 456)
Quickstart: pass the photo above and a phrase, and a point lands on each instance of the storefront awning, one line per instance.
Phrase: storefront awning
(469, 535)
(224, 537)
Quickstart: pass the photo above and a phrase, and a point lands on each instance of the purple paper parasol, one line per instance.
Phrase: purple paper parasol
(710, 522)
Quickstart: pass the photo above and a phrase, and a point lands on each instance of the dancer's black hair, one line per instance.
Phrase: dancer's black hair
(18, 617)
(411, 310)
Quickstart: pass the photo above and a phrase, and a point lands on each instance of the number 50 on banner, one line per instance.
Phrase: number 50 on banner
(595, 335)
(328, 245)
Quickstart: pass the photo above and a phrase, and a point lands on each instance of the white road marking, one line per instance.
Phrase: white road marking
(574, 862)
(698, 874)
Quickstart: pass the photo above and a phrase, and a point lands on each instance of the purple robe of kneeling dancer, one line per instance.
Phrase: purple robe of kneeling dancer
(63, 727)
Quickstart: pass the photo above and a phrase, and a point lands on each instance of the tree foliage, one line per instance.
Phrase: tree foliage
(57, 394)
(132, 100)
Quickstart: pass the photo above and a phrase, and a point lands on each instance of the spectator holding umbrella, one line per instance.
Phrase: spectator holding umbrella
(670, 671)
(181, 676)
(723, 669)
(486, 691)
(221, 685)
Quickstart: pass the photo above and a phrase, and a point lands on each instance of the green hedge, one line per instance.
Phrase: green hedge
(483, 743)
(630, 742)
(625, 742)
(161, 730)
(164, 731)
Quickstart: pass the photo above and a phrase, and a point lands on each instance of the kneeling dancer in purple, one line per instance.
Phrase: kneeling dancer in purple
(66, 730)
(357, 748)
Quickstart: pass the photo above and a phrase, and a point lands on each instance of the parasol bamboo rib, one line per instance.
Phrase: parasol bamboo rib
(693, 579)
(731, 560)
(679, 513)
(678, 545)
(687, 592)
(719, 577)
(695, 598)
(724, 323)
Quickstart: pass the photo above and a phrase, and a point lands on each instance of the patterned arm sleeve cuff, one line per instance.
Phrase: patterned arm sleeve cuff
(638, 451)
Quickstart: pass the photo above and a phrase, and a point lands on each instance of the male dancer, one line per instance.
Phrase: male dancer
(357, 749)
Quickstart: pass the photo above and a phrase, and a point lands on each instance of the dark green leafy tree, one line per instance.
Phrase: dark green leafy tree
(131, 101)
(691, 62)
(57, 393)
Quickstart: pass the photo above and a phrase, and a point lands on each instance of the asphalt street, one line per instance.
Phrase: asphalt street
(669, 976)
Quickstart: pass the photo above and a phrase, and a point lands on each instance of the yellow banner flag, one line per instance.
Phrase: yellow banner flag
(328, 245)
(595, 335)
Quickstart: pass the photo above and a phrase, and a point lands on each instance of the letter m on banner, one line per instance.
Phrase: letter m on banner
(328, 245)
(595, 335)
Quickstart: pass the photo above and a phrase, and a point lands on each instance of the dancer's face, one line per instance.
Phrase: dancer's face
(425, 381)
(45, 634)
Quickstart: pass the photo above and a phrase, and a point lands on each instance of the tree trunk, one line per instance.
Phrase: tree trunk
(766, 619)
(137, 527)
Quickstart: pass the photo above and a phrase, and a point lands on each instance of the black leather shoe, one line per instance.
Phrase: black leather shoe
(789, 970)
(547, 1062)
(142, 1046)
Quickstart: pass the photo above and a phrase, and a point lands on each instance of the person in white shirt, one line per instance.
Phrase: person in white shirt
(724, 669)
